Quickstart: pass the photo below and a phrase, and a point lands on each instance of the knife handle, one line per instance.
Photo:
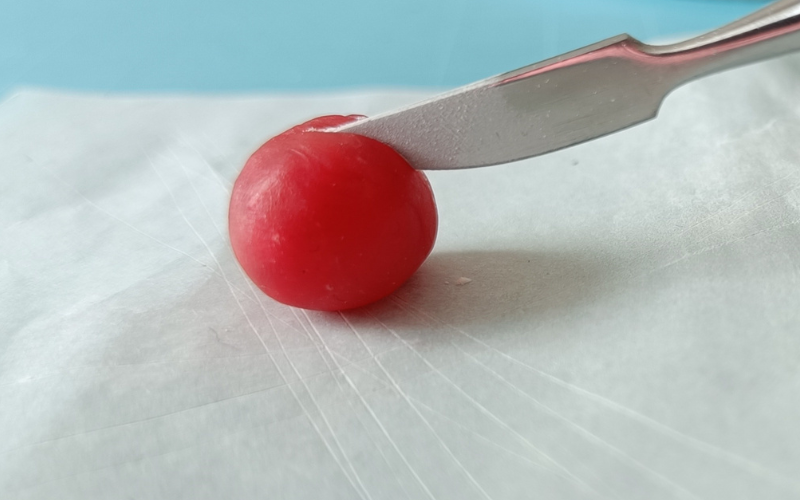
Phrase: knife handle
(771, 31)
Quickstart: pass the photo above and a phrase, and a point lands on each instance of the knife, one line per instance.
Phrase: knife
(573, 98)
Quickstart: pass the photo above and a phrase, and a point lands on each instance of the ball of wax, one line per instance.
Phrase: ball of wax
(330, 220)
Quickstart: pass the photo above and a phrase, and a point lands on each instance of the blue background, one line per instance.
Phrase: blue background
(248, 45)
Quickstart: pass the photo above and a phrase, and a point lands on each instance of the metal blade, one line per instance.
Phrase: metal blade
(534, 110)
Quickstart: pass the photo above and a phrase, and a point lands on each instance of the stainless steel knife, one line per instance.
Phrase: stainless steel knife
(572, 98)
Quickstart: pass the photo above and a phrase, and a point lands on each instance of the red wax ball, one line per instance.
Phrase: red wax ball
(330, 220)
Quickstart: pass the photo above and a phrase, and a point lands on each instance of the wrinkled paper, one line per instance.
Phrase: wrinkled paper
(631, 328)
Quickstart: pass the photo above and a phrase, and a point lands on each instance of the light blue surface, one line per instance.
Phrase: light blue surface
(247, 45)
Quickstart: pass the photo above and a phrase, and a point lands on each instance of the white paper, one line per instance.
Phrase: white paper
(631, 330)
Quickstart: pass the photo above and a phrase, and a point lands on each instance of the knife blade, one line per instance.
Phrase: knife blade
(573, 98)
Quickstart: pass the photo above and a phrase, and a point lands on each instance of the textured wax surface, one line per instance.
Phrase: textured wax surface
(631, 329)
